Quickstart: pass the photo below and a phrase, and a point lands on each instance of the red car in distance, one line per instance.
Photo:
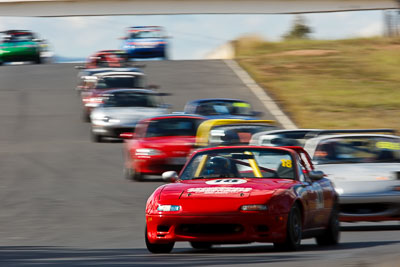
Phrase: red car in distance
(107, 59)
(159, 144)
(243, 194)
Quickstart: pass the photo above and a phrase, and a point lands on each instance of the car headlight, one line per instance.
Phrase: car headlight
(168, 208)
(110, 120)
(147, 152)
(254, 207)
(396, 188)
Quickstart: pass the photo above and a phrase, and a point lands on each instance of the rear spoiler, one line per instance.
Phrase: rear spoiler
(322, 132)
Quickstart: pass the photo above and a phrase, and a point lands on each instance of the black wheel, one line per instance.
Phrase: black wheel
(201, 245)
(158, 248)
(38, 60)
(294, 231)
(86, 116)
(97, 138)
(331, 235)
(133, 175)
(1, 63)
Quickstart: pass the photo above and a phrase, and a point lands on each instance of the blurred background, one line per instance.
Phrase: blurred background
(193, 36)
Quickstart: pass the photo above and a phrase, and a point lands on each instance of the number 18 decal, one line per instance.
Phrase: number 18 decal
(286, 163)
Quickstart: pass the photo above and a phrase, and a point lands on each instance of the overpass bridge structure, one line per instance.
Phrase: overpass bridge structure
(59, 8)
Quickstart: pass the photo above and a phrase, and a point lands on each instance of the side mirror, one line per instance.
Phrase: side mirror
(170, 176)
(79, 67)
(316, 175)
(127, 135)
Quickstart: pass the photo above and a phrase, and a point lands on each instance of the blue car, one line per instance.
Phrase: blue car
(145, 42)
(222, 108)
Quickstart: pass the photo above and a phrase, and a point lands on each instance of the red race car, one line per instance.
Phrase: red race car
(159, 144)
(107, 58)
(243, 194)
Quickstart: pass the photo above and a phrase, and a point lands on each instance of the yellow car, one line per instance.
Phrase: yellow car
(222, 132)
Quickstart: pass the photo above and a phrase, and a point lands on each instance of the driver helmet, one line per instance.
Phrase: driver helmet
(218, 165)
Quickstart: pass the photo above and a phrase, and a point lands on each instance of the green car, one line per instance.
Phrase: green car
(20, 45)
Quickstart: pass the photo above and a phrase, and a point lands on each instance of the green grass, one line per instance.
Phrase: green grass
(352, 83)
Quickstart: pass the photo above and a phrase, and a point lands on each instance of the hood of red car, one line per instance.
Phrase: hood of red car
(220, 195)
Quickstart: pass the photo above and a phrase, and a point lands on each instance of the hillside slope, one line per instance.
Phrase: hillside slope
(352, 83)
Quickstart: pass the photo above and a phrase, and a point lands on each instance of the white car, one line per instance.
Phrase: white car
(121, 109)
(365, 169)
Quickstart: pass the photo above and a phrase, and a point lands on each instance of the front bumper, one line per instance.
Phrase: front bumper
(112, 130)
(221, 229)
(370, 207)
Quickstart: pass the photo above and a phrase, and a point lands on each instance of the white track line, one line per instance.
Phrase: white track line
(268, 102)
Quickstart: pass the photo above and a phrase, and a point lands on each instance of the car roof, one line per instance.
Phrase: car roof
(144, 27)
(118, 73)
(246, 146)
(203, 100)
(333, 136)
(257, 136)
(173, 115)
(100, 70)
(121, 90)
(16, 31)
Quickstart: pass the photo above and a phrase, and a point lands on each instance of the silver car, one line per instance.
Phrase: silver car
(365, 169)
(121, 109)
(292, 137)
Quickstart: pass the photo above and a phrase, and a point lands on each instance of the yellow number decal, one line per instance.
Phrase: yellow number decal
(388, 145)
(286, 163)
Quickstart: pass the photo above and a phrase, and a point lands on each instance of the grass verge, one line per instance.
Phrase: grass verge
(353, 83)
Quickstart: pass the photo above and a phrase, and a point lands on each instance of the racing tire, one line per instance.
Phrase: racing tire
(201, 245)
(293, 231)
(132, 175)
(38, 60)
(1, 63)
(331, 235)
(97, 138)
(86, 116)
(158, 248)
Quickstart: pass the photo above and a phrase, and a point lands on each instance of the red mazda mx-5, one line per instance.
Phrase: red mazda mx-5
(160, 144)
(243, 194)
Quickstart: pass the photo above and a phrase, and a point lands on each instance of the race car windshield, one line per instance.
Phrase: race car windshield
(173, 127)
(131, 99)
(120, 82)
(145, 34)
(358, 150)
(240, 163)
(19, 37)
(235, 134)
(224, 108)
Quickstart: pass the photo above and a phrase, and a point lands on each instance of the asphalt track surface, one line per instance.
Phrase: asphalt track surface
(64, 201)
